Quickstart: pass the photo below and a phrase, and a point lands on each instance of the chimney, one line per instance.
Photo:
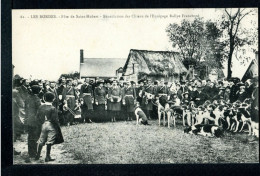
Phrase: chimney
(81, 56)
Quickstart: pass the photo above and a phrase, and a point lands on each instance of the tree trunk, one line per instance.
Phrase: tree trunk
(231, 49)
(229, 66)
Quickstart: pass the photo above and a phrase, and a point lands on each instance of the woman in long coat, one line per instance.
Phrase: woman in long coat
(115, 97)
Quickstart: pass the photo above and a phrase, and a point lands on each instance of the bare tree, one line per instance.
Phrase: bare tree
(231, 21)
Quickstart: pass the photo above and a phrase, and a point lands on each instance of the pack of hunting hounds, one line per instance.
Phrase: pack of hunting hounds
(204, 107)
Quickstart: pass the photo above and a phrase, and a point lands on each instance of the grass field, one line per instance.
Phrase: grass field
(126, 143)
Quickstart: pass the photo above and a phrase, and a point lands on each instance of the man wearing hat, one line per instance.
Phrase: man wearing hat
(86, 95)
(149, 93)
(100, 99)
(129, 98)
(47, 118)
(69, 96)
(201, 97)
(32, 104)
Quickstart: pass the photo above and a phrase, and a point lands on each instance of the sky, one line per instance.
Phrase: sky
(44, 48)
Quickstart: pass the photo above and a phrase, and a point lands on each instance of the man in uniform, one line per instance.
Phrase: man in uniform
(163, 93)
(233, 91)
(32, 104)
(69, 97)
(100, 100)
(86, 95)
(201, 97)
(129, 98)
(149, 95)
(54, 91)
(140, 92)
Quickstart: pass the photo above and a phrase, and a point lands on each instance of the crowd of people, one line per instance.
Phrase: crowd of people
(41, 106)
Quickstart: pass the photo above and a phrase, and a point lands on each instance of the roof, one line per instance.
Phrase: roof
(156, 62)
(252, 70)
(100, 67)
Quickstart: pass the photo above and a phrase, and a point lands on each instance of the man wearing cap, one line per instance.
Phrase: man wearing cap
(241, 94)
(182, 89)
(207, 87)
(193, 93)
(233, 91)
(61, 113)
(32, 104)
(47, 117)
(86, 95)
(140, 92)
(54, 91)
(115, 97)
(100, 99)
(149, 93)
(201, 97)
(163, 93)
(129, 98)
(69, 97)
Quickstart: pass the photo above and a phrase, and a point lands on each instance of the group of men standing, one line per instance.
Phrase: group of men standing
(112, 99)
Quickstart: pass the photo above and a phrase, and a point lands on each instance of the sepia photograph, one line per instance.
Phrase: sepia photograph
(135, 86)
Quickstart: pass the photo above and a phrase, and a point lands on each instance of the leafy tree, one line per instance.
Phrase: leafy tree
(236, 35)
(71, 75)
(197, 41)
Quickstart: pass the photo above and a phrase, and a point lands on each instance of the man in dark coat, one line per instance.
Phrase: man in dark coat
(32, 104)
(17, 104)
(61, 113)
(193, 93)
(87, 97)
(149, 93)
(255, 111)
(233, 91)
(100, 100)
(54, 91)
(69, 96)
(163, 93)
(140, 92)
(201, 97)
(47, 117)
(129, 98)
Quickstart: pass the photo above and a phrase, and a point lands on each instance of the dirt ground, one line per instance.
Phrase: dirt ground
(125, 143)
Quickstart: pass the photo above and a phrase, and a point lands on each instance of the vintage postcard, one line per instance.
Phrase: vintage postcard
(135, 86)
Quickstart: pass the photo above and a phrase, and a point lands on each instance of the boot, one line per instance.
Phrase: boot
(39, 150)
(114, 119)
(48, 152)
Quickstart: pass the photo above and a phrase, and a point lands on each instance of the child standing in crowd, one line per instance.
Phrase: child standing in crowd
(47, 117)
